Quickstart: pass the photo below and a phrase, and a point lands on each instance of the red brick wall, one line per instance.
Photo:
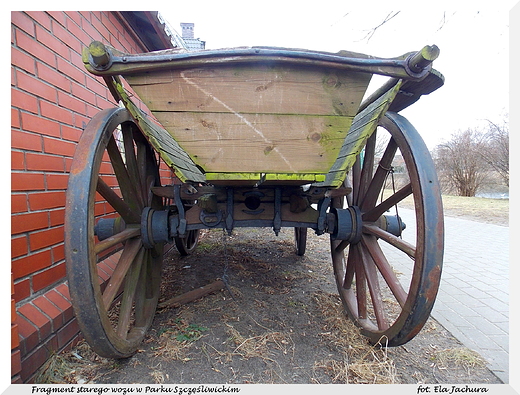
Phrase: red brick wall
(52, 99)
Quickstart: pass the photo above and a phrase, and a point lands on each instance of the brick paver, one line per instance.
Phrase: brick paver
(473, 300)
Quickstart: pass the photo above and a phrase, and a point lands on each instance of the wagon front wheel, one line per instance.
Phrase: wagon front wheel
(113, 276)
(389, 276)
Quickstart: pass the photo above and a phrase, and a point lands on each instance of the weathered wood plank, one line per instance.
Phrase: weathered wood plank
(267, 143)
(169, 150)
(253, 89)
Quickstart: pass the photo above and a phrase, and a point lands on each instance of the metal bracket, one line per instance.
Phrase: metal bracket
(229, 209)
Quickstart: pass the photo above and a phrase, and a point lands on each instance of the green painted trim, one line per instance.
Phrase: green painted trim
(265, 176)
(364, 124)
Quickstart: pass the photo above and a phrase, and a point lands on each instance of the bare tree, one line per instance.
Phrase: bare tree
(459, 163)
(495, 149)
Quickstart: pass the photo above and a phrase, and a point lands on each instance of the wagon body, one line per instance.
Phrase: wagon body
(258, 137)
(250, 114)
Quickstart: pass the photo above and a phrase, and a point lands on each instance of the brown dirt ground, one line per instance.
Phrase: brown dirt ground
(280, 321)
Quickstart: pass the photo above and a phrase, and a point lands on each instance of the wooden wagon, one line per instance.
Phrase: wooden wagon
(257, 137)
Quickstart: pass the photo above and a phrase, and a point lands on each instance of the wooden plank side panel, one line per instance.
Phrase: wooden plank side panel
(265, 89)
(258, 143)
(364, 124)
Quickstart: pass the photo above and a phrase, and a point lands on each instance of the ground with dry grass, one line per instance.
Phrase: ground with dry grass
(279, 321)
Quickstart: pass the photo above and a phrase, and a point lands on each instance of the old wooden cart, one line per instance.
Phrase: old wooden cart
(258, 137)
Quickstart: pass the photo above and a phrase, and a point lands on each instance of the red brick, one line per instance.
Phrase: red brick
(17, 160)
(56, 181)
(19, 203)
(71, 102)
(92, 32)
(82, 93)
(44, 162)
(22, 60)
(30, 45)
(57, 217)
(46, 200)
(34, 123)
(64, 291)
(48, 277)
(27, 182)
(102, 29)
(58, 253)
(71, 71)
(15, 118)
(28, 334)
(58, 147)
(67, 333)
(53, 76)
(74, 15)
(56, 113)
(37, 358)
(22, 290)
(15, 340)
(33, 85)
(58, 16)
(29, 221)
(70, 36)
(24, 101)
(50, 310)
(61, 303)
(26, 141)
(16, 366)
(41, 17)
(70, 133)
(19, 246)
(21, 20)
(30, 264)
(78, 33)
(51, 41)
(45, 238)
(43, 323)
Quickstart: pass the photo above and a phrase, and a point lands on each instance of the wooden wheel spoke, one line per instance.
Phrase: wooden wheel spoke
(368, 167)
(361, 289)
(384, 267)
(377, 211)
(123, 178)
(350, 268)
(123, 265)
(376, 184)
(129, 294)
(356, 179)
(123, 209)
(131, 161)
(375, 290)
(397, 242)
(120, 237)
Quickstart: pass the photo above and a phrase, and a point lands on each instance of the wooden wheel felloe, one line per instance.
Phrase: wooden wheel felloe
(376, 293)
(112, 174)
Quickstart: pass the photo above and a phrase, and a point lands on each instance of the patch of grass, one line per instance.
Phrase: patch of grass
(460, 356)
(260, 346)
(362, 362)
(175, 339)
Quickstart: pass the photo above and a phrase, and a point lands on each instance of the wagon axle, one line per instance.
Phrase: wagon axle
(162, 226)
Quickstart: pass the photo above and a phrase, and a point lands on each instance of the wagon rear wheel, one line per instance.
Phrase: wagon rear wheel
(112, 174)
(387, 282)
(186, 245)
(300, 240)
